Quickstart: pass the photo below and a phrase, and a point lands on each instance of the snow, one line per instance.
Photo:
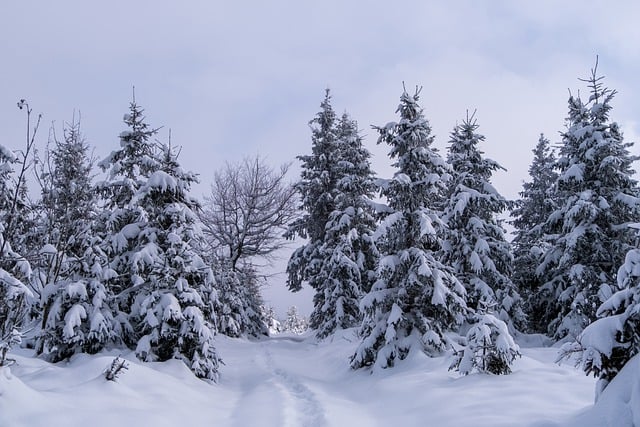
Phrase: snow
(288, 380)
(619, 404)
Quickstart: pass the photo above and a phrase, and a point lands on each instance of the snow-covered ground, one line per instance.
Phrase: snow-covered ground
(287, 380)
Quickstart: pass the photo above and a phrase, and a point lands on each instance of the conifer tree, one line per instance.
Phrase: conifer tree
(239, 301)
(489, 348)
(588, 231)
(317, 192)
(164, 289)
(16, 296)
(123, 218)
(529, 214)
(294, 322)
(76, 312)
(475, 246)
(173, 311)
(14, 269)
(607, 344)
(348, 252)
(416, 298)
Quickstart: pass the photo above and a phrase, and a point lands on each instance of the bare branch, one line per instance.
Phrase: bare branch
(248, 209)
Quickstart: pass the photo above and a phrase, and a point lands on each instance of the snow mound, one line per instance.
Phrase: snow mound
(619, 404)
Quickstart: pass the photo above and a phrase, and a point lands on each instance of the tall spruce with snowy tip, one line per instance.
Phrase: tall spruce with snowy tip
(77, 316)
(607, 344)
(349, 253)
(416, 298)
(173, 310)
(317, 191)
(475, 245)
(529, 214)
(128, 169)
(588, 231)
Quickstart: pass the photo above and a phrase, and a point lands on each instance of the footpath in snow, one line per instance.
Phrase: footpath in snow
(291, 381)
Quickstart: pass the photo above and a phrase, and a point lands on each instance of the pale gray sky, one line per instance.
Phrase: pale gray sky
(237, 78)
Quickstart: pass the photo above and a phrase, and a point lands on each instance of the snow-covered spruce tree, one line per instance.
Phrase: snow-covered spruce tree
(349, 253)
(295, 322)
(14, 269)
(489, 348)
(317, 191)
(416, 298)
(127, 169)
(76, 312)
(239, 300)
(529, 214)
(16, 296)
(588, 231)
(271, 319)
(607, 344)
(173, 309)
(475, 245)
(163, 289)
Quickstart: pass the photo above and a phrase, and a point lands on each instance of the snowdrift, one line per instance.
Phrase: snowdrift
(294, 381)
(619, 404)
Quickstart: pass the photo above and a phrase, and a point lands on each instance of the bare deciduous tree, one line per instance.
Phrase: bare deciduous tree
(248, 209)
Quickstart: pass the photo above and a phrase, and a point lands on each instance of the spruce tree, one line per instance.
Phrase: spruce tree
(607, 344)
(317, 192)
(76, 312)
(489, 348)
(164, 289)
(14, 268)
(173, 311)
(123, 218)
(475, 245)
(529, 214)
(588, 231)
(416, 298)
(349, 254)
(239, 301)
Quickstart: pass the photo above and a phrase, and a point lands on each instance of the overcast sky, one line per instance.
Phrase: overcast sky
(232, 79)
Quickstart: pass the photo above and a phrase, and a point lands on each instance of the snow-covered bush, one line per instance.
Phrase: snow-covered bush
(117, 367)
(489, 347)
(607, 344)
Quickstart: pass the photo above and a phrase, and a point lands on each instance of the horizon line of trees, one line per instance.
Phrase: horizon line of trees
(134, 261)
(430, 268)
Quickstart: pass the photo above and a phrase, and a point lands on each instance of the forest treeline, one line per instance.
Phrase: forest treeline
(132, 260)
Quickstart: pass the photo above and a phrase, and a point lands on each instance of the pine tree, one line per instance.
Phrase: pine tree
(416, 298)
(317, 191)
(274, 326)
(173, 311)
(475, 246)
(489, 348)
(123, 218)
(529, 214)
(607, 344)
(348, 252)
(14, 269)
(588, 230)
(239, 301)
(294, 322)
(76, 312)
(164, 289)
